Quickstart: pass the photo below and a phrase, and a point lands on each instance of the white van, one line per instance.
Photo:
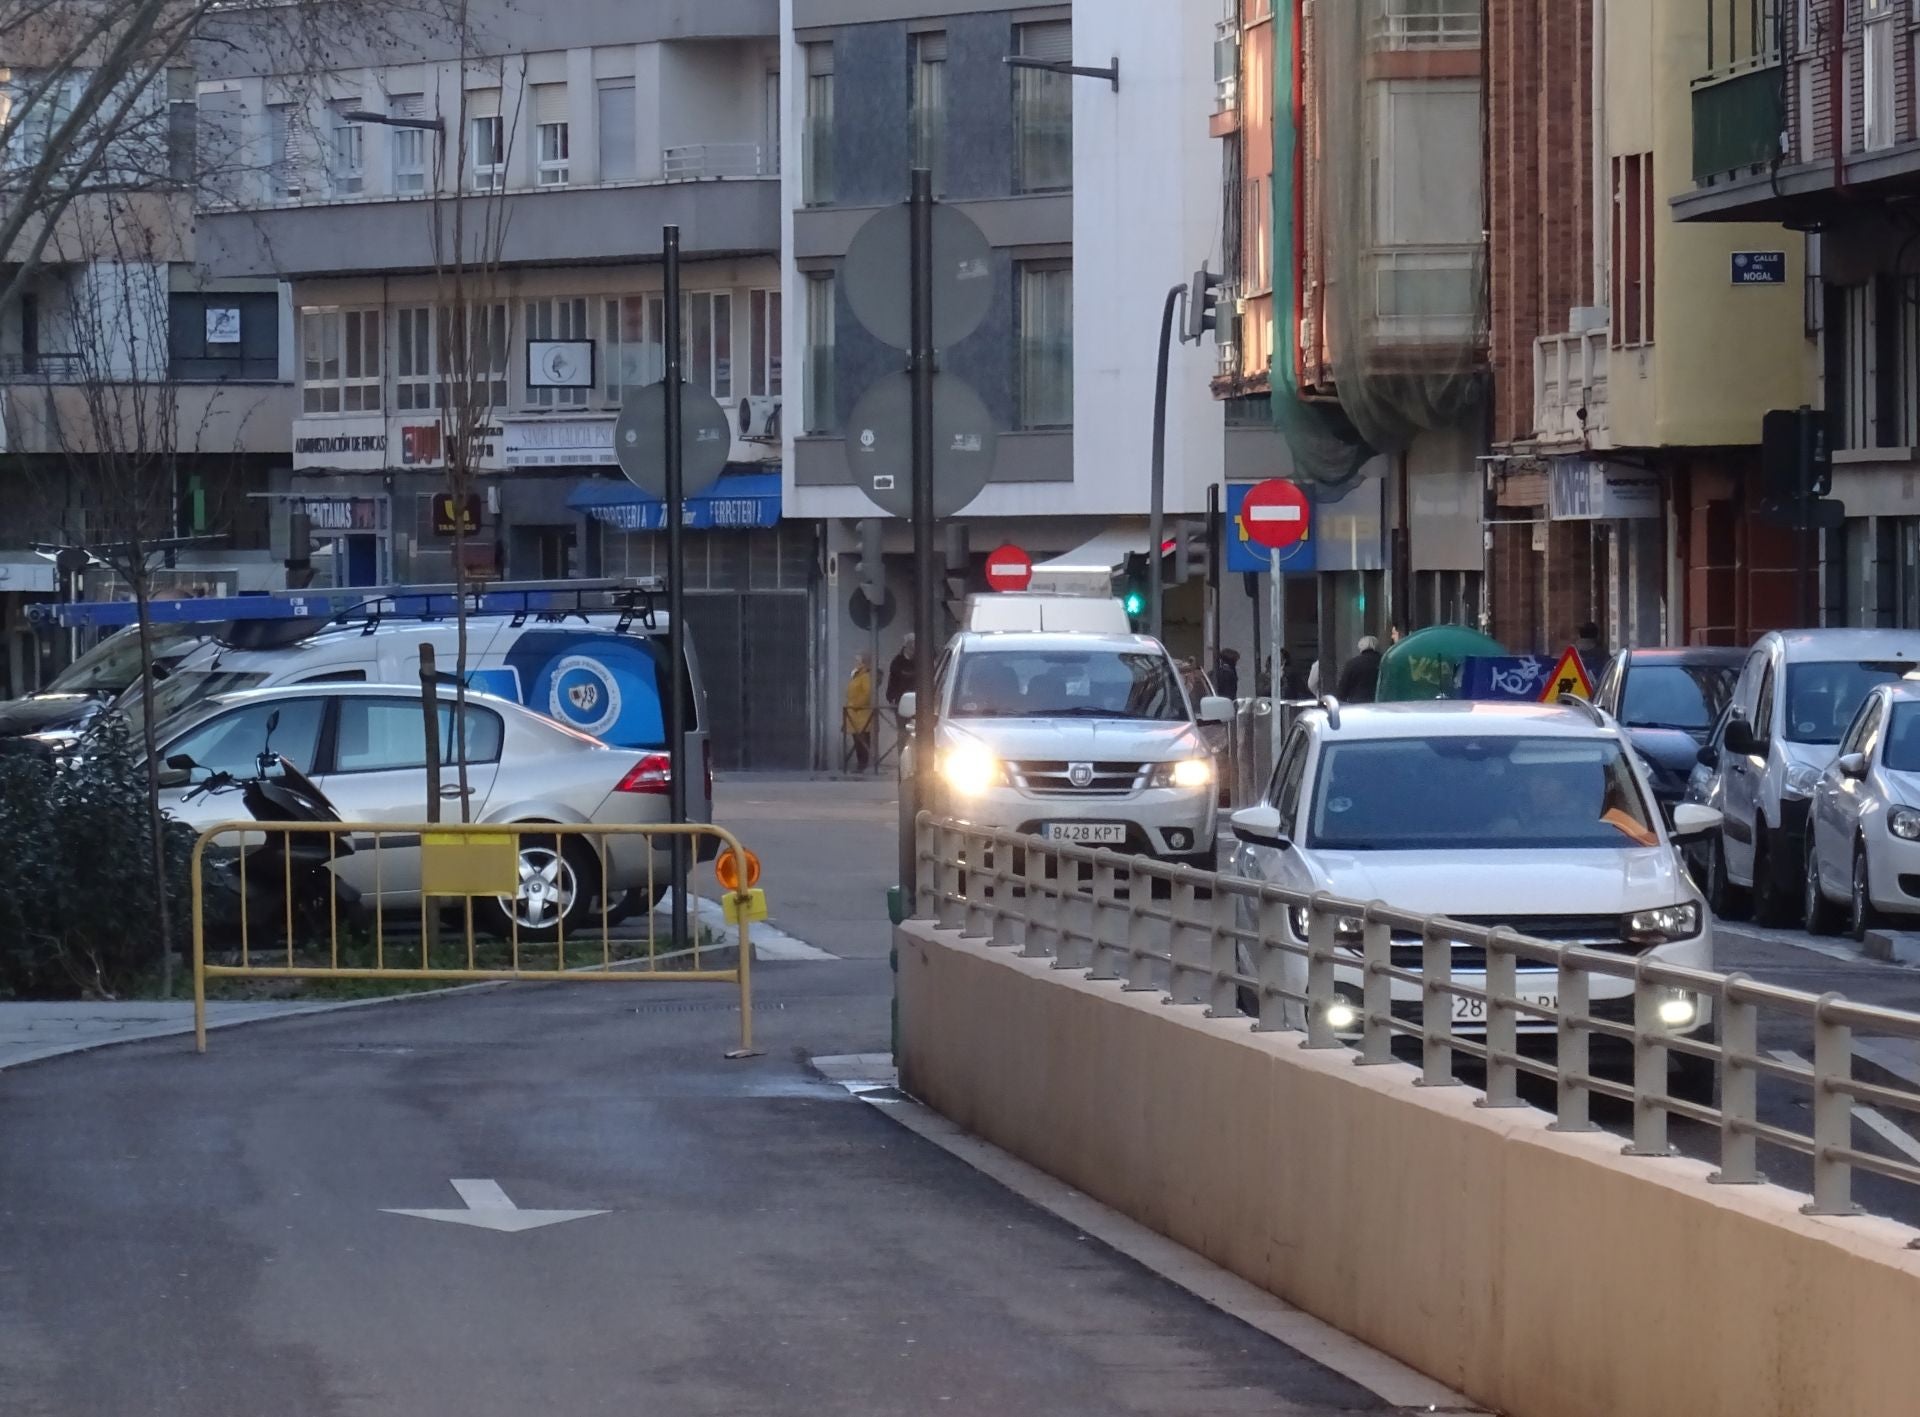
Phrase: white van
(1035, 612)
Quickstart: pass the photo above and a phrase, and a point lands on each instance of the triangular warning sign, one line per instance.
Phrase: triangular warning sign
(1569, 677)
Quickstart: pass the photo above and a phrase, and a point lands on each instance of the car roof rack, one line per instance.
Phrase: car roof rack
(1591, 710)
(278, 620)
(1332, 707)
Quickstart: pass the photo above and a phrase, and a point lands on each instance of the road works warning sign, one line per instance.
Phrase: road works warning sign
(1569, 677)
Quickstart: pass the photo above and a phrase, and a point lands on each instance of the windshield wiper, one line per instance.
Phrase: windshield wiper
(1671, 727)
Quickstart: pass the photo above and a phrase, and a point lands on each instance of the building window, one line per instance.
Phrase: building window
(1046, 344)
(930, 105)
(1258, 251)
(1634, 210)
(817, 155)
(763, 308)
(349, 151)
(340, 361)
(560, 319)
(1043, 110)
(216, 336)
(1872, 355)
(552, 135)
(413, 370)
(707, 342)
(473, 349)
(408, 145)
(1428, 24)
(294, 150)
(486, 140)
(634, 337)
(1877, 76)
(822, 415)
(618, 118)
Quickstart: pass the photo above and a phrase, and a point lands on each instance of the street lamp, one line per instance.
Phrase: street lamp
(387, 120)
(1061, 66)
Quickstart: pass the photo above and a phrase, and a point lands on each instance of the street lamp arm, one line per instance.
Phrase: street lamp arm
(387, 120)
(1060, 66)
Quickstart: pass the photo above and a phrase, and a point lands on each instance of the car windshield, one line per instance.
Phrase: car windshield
(182, 690)
(1478, 794)
(1902, 752)
(1067, 683)
(113, 665)
(1823, 698)
(1688, 696)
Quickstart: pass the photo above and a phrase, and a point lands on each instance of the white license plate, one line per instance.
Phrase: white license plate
(1087, 833)
(1474, 1010)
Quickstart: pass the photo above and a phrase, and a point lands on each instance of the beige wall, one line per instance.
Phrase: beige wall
(1544, 1274)
(1722, 355)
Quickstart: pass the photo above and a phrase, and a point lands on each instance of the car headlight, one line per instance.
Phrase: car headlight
(1663, 925)
(970, 769)
(1802, 778)
(1188, 772)
(1349, 930)
(1904, 823)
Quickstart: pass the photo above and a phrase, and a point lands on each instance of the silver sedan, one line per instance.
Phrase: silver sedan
(365, 747)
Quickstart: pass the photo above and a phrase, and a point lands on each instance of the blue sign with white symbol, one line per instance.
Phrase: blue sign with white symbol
(1759, 267)
(1521, 677)
(1245, 555)
(606, 685)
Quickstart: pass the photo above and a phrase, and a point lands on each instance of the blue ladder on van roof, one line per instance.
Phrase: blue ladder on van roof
(370, 603)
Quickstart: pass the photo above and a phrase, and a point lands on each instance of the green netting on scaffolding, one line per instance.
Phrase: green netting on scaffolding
(1390, 292)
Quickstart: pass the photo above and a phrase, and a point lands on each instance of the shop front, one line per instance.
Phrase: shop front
(1620, 508)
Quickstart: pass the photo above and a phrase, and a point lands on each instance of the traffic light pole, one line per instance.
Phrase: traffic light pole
(914, 795)
(1157, 504)
(676, 580)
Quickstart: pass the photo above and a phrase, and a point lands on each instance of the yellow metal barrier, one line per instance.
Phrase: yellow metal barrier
(452, 866)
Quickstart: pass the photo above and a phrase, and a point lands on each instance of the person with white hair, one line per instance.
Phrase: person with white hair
(1360, 680)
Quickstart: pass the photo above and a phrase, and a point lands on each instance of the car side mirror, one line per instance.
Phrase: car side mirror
(1708, 756)
(909, 707)
(1740, 738)
(183, 761)
(1692, 819)
(1260, 826)
(173, 776)
(1853, 765)
(1216, 708)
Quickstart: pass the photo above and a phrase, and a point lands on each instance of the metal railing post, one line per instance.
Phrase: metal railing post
(1188, 953)
(1739, 1089)
(977, 920)
(1001, 912)
(1223, 948)
(1112, 925)
(1649, 1071)
(1078, 916)
(1042, 935)
(1268, 954)
(927, 838)
(1571, 1063)
(1376, 1040)
(1503, 1022)
(1142, 929)
(1832, 1113)
(950, 910)
(1322, 930)
(1436, 1009)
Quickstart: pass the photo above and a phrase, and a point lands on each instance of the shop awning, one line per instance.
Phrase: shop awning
(739, 501)
(1089, 568)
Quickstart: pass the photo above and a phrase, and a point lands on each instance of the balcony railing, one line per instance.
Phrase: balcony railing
(693, 162)
(1737, 121)
(1411, 24)
(1570, 387)
(1426, 294)
(42, 368)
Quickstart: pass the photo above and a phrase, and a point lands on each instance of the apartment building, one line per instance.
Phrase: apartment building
(1095, 197)
(139, 397)
(1353, 233)
(1634, 355)
(1804, 114)
(475, 221)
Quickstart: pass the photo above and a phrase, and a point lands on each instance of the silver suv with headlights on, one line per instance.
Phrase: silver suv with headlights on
(1085, 738)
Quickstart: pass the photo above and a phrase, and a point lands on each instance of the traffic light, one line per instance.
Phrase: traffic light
(1796, 462)
(873, 564)
(1203, 305)
(1132, 589)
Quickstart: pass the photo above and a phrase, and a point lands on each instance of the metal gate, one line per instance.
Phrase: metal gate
(756, 656)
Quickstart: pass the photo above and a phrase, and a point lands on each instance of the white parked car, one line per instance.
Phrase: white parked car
(364, 746)
(1086, 738)
(1864, 840)
(1533, 816)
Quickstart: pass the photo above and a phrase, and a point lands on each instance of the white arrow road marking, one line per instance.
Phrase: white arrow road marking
(488, 1208)
(1268, 512)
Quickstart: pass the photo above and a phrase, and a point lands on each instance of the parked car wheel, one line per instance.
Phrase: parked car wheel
(1823, 916)
(1861, 917)
(559, 885)
(1729, 902)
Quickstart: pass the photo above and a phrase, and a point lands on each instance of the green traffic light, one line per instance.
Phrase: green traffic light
(1136, 602)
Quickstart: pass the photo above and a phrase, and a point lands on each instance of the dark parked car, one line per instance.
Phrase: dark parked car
(83, 690)
(1669, 700)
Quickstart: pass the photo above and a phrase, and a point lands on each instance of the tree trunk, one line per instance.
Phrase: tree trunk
(149, 735)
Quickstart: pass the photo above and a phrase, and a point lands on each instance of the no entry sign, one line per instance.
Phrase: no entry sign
(1009, 568)
(1275, 514)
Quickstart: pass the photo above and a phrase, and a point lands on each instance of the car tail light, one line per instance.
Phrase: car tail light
(652, 775)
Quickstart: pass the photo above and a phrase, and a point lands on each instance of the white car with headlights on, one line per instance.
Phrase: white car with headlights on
(1532, 816)
(1083, 738)
(1864, 830)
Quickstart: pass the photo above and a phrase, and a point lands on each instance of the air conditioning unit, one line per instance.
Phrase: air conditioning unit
(760, 419)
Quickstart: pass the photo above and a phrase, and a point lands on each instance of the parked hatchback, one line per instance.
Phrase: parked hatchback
(1863, 844)
(365, 747)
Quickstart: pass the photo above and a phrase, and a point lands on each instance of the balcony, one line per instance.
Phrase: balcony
(698, 162)
(1426, 295)
(1449, 24)
(41, 368)
(1570, 388)
(1737, 122)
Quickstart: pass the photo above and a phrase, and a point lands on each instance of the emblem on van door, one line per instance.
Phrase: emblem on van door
(584, 697)
(585, 694)
(1080, 774)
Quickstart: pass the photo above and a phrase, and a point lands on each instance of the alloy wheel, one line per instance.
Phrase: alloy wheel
(547, 889)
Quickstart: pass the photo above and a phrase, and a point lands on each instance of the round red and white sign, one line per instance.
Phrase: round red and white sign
(1275, 514)
(1009, 568)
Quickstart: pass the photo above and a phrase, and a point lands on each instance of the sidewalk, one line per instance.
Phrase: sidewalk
(30, 1032)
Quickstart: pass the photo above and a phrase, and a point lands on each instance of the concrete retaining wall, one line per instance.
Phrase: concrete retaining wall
(1544, 1274)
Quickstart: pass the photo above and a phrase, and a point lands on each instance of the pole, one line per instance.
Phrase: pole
(1216, 574)
(1277, 632)
(676, 578)
(1157, 505)
(925, 572)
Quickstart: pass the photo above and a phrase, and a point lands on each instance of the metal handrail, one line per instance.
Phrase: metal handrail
(1083, 908)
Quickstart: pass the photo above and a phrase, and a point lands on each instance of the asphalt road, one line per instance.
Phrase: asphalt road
(206, 1236)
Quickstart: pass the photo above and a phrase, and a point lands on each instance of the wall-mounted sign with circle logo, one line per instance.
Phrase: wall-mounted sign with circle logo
(585, 695)
(560, 364)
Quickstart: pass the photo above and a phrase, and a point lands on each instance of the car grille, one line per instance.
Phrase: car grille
(1046, 778)
(1600, 932)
